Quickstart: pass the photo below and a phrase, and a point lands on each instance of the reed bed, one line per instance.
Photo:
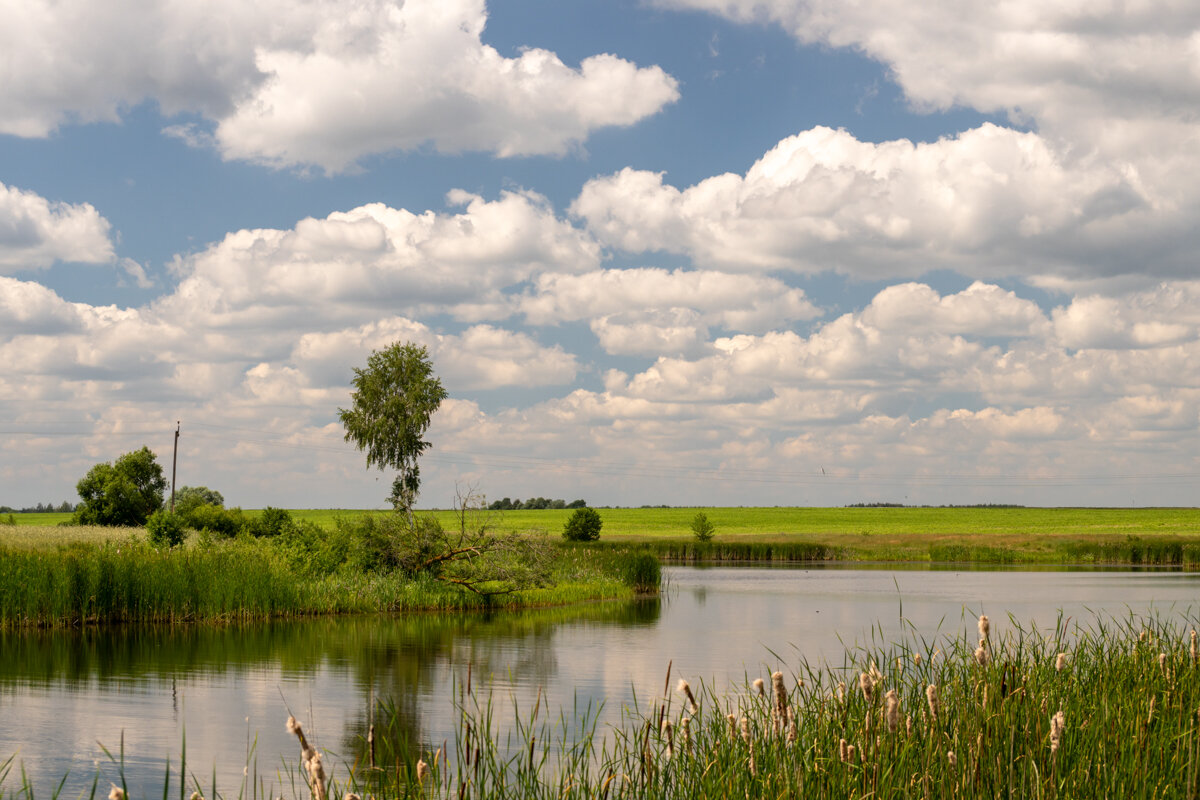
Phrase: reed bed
(127, 580)
(1108, 710)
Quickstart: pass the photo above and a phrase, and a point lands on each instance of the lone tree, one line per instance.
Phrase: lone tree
(125, 492)
(394, 399)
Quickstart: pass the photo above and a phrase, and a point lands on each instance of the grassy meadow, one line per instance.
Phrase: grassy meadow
(1167, 536)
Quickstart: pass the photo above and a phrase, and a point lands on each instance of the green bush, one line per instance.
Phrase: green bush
(165, 529)
(224, 522)
(191, 497)
(702, 527)
(271, 522)
(583, 525)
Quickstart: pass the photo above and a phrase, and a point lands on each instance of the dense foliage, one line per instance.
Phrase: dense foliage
(583, 525)
(702, 529)
(125, 492)
(534, 504)
(393, 403)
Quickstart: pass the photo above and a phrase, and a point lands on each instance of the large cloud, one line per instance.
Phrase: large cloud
(35, 232)
(1067, 66)
(319, 82)
(989, 202)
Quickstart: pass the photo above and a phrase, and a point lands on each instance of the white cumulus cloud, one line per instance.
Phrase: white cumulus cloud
(318, 82)
(36, 232)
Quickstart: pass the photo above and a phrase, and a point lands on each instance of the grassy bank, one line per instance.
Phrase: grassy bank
(123, 579)
(1074, 712)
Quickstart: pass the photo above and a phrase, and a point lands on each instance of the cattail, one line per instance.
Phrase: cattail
(1162, 663)
(792, 733)
(1144, 636)
(781, 701)
(732, 725)
(893, 710)
(422, 771)
(1060, 663)
(876, 675)
(759, 687)
(1150, 715)
(749, 744)
(685, 733)
(683, 688)
(351, 796)
(116, 793)
(1194, 652)
(931, 696)
(198, 796)
(908, 725)
(316, 775)
(1057, 723)
(867, 684)
(985, 627)
(669, 732)
(840, 692)
(953, 759)
(844, 751)
(981, 653)
(917, 659)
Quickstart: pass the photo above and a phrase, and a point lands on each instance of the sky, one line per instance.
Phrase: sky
(684, 252)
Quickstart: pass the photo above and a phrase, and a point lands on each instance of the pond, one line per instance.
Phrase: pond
(226, 691)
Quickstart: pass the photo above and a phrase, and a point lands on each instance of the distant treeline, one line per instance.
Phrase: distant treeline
(534, 504)
(40, 508)
(952, 505)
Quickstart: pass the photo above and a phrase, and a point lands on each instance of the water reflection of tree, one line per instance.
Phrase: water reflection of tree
(424, 655)
(393, 660)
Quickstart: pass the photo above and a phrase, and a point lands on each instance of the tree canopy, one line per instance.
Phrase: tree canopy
(125, 492)
(394, 399)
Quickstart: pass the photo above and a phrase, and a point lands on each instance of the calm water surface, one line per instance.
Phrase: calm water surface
(228, 690)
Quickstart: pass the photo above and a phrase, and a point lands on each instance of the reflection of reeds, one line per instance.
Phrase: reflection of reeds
(1129, 727)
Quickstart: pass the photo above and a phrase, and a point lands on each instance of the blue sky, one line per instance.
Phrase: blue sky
(685, 251)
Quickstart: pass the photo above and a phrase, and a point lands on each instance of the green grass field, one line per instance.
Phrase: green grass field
(988, 535)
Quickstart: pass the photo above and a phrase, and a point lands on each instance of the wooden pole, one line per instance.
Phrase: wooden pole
(174, 459)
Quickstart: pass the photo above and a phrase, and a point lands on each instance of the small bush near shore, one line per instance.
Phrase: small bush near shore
(583, 525)
(702, 528)
(165, 529)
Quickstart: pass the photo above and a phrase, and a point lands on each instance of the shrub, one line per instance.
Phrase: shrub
(583, 525)
(271, 522)
(165, 529)
(702, 527)
(225, 522)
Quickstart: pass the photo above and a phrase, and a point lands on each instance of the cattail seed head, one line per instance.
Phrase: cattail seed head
(1057, 723)
(780, 712)
(908, 725)
(1162, 663)
(893, 710)
(116, 793)
(759, 687)
(685, 733)
(917, 659)
(867, 684)
(683, 688)
(844, 751)
(981, 653)
(841, 692)
(1150, 715)
(931, 696)
(732, 725)
(422, 771)
(950, 757)
(1193, 650)
(985, 627)
(198, 796)
(669, 732)
(1060, 663)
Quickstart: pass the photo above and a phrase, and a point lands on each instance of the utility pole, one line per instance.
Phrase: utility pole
(174, 459)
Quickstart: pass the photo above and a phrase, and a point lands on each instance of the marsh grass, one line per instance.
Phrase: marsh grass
(127, 580)
(1118, 718)
(1113, 720)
